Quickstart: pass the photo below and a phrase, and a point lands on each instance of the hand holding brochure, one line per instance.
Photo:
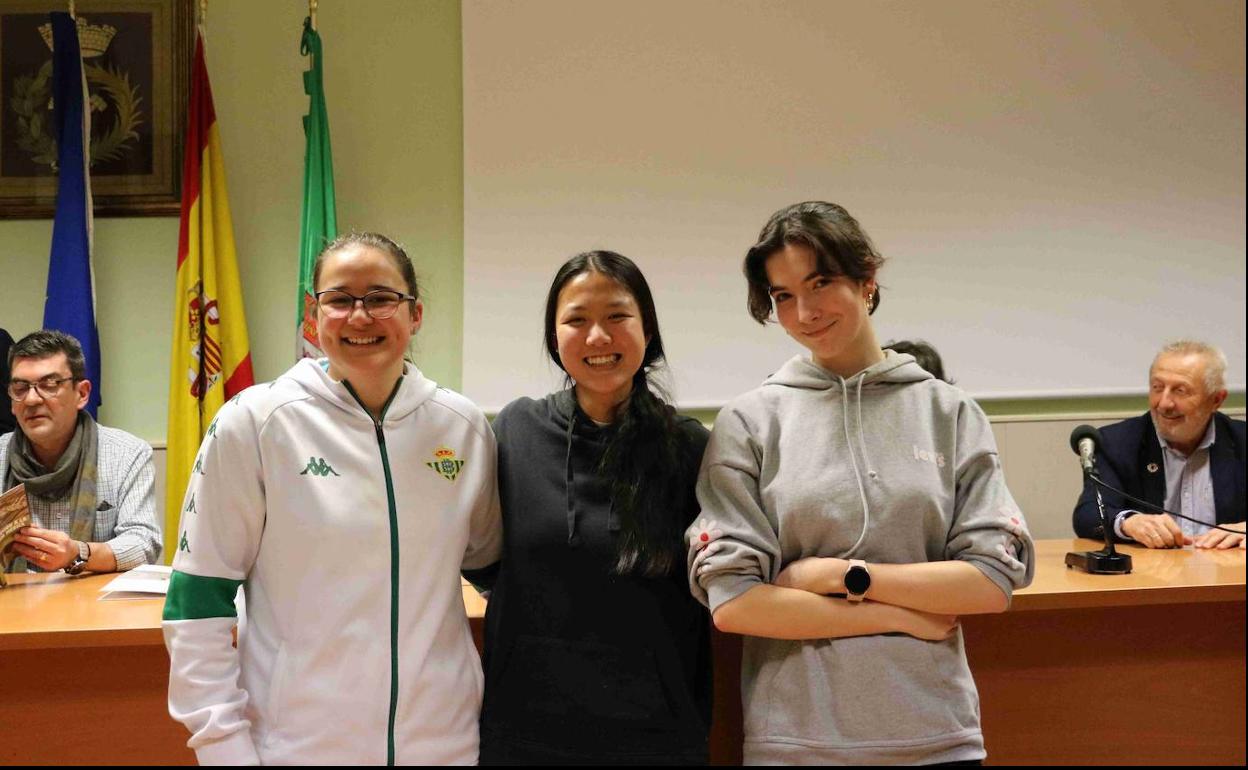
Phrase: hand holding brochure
(14, 514)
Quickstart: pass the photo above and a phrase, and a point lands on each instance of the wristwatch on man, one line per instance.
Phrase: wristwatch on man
(80, 561)
(857, 580)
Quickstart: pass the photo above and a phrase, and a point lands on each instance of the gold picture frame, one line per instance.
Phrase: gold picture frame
(137, 57)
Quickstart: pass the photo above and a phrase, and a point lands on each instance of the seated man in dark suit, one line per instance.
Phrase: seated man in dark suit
(1183, 455)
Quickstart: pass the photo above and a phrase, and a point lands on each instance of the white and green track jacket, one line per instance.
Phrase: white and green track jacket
(348, 537)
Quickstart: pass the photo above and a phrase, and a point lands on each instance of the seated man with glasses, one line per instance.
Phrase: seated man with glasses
(89, 487)
(1183, 455)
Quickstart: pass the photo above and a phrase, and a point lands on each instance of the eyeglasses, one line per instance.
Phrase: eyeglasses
(47, 387)
(379, 305)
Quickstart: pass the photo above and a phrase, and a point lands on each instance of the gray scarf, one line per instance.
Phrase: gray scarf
(74, 477)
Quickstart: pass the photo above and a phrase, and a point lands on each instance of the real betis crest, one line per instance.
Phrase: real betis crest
(445, 464)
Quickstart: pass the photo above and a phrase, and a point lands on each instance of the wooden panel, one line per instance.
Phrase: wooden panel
(90, 706)
(1131, 685)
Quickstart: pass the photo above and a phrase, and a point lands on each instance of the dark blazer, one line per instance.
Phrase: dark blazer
(1129, 459)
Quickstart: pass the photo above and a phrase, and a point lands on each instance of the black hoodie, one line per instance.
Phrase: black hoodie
(583, 665)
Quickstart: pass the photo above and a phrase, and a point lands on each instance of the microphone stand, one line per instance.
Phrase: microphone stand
(1106, 561)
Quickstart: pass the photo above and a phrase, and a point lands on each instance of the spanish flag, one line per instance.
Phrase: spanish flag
(210, 360)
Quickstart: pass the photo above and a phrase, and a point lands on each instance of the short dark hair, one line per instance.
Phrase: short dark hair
(840, 245)
(46, 343)
(374, 241)
(924, 355)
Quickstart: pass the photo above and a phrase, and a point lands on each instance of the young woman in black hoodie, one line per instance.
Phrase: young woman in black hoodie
(595, 653)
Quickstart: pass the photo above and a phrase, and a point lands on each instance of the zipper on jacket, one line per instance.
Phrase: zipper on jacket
(394, 562)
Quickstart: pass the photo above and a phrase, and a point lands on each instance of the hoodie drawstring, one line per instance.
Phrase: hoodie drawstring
(568, 481)
(862, 437)
(862, 493)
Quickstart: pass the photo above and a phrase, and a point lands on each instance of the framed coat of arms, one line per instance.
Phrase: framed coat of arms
(136, 55)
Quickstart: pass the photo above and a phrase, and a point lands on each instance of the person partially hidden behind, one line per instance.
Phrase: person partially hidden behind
(6, 412)
(89, 487)
(1183, 455)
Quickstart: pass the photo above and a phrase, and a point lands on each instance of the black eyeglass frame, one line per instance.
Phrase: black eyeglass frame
(363, 302)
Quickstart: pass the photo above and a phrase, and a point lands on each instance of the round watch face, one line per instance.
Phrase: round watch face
(857, 580)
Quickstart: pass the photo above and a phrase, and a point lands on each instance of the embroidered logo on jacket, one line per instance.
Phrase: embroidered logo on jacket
(445, 464)
(318, 467)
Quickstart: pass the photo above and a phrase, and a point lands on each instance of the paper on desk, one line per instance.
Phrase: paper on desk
(139, 583)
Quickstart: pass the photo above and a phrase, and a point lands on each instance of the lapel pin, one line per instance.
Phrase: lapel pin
(1152, 467)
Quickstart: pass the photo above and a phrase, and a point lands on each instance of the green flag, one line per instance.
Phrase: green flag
(320, 218)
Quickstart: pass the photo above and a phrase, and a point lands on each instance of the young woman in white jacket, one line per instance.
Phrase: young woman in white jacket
(345, 497)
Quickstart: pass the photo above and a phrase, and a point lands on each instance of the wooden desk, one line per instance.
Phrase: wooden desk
(89, 679)
(1146, 668)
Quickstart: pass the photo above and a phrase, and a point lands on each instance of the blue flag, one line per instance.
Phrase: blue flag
(70, 303)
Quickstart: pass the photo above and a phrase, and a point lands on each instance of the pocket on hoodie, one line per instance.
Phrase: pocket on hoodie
(553, 681)
(273, 703)
(867, 689)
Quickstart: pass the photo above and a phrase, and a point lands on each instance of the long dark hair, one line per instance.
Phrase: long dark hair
(645, 457)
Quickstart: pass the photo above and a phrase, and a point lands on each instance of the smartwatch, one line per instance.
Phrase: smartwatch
(857, 580)
(80, 561)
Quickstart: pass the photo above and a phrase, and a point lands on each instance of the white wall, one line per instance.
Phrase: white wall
(1059, 186)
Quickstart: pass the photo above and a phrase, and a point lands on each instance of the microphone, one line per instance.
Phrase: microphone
(1085, 440)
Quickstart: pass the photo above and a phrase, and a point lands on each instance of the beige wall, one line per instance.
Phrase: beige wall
(393, 87)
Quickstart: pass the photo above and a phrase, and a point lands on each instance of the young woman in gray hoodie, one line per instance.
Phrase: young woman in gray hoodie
(852, 507)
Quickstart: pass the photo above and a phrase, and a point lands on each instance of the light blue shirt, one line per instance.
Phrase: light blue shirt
(1189, 486)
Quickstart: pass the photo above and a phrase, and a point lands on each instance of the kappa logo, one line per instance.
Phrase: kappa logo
(936, 458)
(318, 467)
(445, 464)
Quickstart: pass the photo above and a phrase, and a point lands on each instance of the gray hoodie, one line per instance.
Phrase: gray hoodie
(889, 466)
